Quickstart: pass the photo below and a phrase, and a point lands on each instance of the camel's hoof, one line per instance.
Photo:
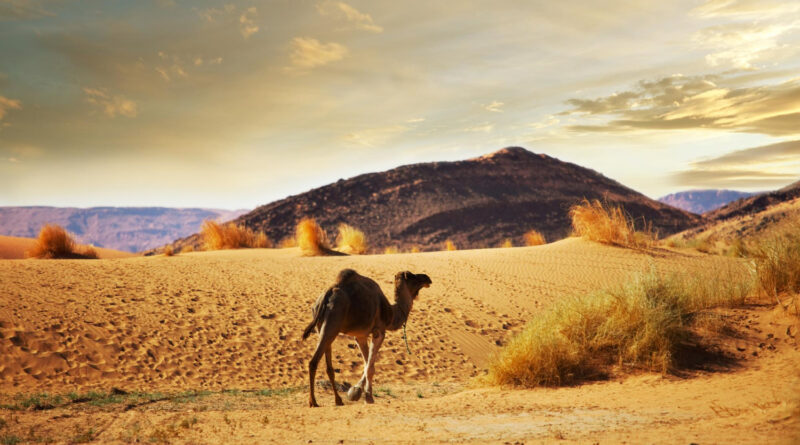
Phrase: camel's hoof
(368, 398)
(339, 402)
(354, 393)
(313, 404)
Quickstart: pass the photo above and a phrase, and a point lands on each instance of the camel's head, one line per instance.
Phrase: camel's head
(414, 282)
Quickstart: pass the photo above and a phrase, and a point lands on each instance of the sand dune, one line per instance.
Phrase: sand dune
(14, 248)
(233, 319)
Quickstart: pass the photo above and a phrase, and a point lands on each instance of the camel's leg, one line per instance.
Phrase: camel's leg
(327, 334)
(329, 367)
(355, 392)
(377, 340)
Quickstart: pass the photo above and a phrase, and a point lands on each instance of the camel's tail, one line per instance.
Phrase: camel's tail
(319, 312)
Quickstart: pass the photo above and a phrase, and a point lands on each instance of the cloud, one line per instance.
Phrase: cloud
(247, 23)
(740, 45)
(310, 53)
(7, 104)
(481, 128)
(494, 107)
(112, 105)
(695, 102)
(354, 18)
(22, 10)
(764, 166)
(745, 8)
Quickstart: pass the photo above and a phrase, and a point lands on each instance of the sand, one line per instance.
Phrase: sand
(233, 319)
(14, 248)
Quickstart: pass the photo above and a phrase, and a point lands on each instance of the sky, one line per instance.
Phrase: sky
(236, 104)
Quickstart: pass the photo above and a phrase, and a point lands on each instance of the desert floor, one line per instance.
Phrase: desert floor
(205, 348)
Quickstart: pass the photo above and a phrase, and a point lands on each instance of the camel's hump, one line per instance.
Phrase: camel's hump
(346, 275)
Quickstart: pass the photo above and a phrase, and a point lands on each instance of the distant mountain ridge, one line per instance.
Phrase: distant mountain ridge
(702, 201)
(130, 229)
(756, 203)
(475, 203)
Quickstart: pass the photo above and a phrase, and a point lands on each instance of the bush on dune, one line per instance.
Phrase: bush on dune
(351, 240)
(311, 238)
(55, 243)
(534, 238)
(506, 243)
(777, 261)
(608, 224)
(640, 324)
(449, 245)
(231, 236)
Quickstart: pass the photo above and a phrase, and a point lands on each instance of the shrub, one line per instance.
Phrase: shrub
(54, 242)
(449, 245)
(777, 261)
(169, 251)
(534, 238)
(506, 243)
(311, 238)
(608, 224)
(639, 324)
(187, 248)
(391, 250)
(288, 242)
(414, 249)
(231, 236)
(351, 240)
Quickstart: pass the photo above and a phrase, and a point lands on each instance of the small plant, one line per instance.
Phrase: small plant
(54, 242)
(187, 248)
(391, 250)
(351, 240)
(231, 236)
(169, 251)
(414, 249)
(449, 245)
(288, 242)
(84, 436)
(9, 439)
(506, 243)
(534, 238)
(608, 224)
(311, 238)
(777, 261)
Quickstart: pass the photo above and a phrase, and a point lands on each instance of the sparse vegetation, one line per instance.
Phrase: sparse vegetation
(169, 251)
(311, 238)
(288, 242)
(187, 248)
(608, 224)
(54, 242)
(351, 240)
(534, 238)
(391, 250)
(640, 324)
(506, 243)
(777, 260)
(449, 245)
(231, 236)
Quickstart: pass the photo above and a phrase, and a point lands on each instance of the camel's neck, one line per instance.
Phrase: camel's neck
(401, 308)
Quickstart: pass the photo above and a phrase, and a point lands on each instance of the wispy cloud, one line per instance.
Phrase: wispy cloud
(247, 24)
(696, 102)
(245, 18)
(111, 105)
(766, 165)
(495, 107)
(307, 53)
(352, 17)
(741, 45)
(22, 10)
(8, 104)
(745, 8)
(480, 128)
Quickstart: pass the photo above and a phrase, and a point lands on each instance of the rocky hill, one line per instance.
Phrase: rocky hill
(130, 229)
(756, 204)
(475, 203)
(702, 201)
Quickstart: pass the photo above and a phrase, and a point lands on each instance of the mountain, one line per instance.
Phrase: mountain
(475, 203)
(757, 203)
(701, 201)
(130, 229)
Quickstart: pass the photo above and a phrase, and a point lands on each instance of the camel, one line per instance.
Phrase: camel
(356, 306)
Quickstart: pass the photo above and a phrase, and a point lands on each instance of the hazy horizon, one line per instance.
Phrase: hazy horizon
(198, 104)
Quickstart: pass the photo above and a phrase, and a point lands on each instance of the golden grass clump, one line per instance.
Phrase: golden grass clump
(288, 242)
(449, 245)
(640, 325)
(231, 236)
(414, 249)
(608, 224)
(506, 243)
(391, 250)
(311, 238)
(534, 238)
(777, 262)
(187, 248)
(54, 242)
(169, 251)
(351, 240)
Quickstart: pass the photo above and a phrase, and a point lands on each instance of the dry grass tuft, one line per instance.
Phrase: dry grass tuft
(640, 325)
(449, 245)
(534, 238)
(54, 242)
(311, 238)
(608, 224)
(231, 236)
(187, 248)
(288, 242)
(351, 240)
(506, 243)
(414, 249)
(777, 261)
(169, 251)
(391, 250)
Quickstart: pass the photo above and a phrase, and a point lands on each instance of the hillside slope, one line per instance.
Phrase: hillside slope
(702, 201)
(475, 203)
